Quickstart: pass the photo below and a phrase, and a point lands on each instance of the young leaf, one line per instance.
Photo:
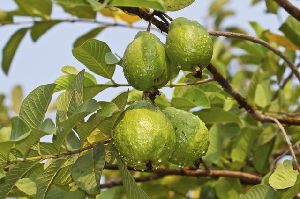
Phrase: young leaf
(40, 28)
(154, 4)
(45, 180)
(92, 55)
(10, 48)
(89, 35)
(260, 191)
(284, 176)
(132, 189)
(17, 97)
(27, 186)
(15, 173)
(35, 105)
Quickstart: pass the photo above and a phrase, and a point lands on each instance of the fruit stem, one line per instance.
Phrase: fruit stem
(150, 21)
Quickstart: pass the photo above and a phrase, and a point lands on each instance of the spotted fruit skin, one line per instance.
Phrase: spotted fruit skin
(145, 64)
(143, 135)
(192, 138)
(188, 44)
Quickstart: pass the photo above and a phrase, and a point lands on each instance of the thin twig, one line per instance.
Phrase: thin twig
(282, 155)
(290, 8)
(291, 65)
(287, 139)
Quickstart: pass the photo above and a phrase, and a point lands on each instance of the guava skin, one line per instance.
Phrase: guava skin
(188, 44)
(143, 135)
(145, 64)
(192, 138)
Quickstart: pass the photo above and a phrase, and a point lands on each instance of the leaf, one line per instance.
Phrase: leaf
(175, 5)
(228, 188)
(87, 170)
(216, 6)
(15, 173)
(121, 100)
(272, 6)
(111, 58)
(36, 7)
(17, 97)
(89, 35)
(40, 28)
(260, 192)
(243, 144)
(92, 55)
(11, 47)
(154, 4)
(292, 191)
(35, 105)
(19, 129)
(191, 98)
(27, 186)
(281, 41)
(92, 91)
(79, 8)
(217, 115)
(132, 189)
(45, 180)
(284, 176)
(66, 126)
(5, 142)
(261, 156)
(5, 17)
(291, 29)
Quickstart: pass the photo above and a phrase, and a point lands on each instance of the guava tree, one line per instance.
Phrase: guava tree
(223, 134)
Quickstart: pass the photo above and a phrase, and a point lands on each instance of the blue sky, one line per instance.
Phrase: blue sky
(40, 63)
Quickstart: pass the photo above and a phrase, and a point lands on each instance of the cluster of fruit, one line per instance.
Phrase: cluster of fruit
(145, 135)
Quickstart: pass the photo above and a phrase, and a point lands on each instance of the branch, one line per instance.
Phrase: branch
(290, 8)
(283, 154)
(243, 103)
(291, 65)
(246, 178)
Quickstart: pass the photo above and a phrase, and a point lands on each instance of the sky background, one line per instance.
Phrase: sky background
(40, 63)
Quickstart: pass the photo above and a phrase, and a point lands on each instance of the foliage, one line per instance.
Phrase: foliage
(80, 161)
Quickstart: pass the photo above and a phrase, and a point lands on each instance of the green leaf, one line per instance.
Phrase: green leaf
(2, 173)
(92, 91)
(284, 176)
(19, 129)
(154, 4)
(228, 188)
(191, 98)
(272, 6)
(292, 191)
(5, 142)
(87, 170)
(175, 5)
(132, 189)
(27, 186)
(11, 47)
(92, 55)
(243, 144)
(58, 192)
(121, 100)
(111, 58)
(40, 28)
(45, 180)
(260, 192)
(35, 105)
(263, 94)
(217, 115)
(89, 35)
(5, 17)
(79, 8)
(14, 174)
(261, 156)
(36, 7)
(217, 5)
(17, 97)
(66, 126)
(291, 29)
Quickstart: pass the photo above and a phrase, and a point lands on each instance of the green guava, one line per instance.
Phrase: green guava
(188, 44)
(191, 137)
(143, 135)
(145, 64)
(175, 5)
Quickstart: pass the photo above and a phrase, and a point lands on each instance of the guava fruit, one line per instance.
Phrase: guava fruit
(188, 44)
(191, 137)
(143, 135)
(145, 64)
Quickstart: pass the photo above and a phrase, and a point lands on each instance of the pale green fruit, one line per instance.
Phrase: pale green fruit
(188, 44)
(191, 137)
(145, 64)
(143, 134)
